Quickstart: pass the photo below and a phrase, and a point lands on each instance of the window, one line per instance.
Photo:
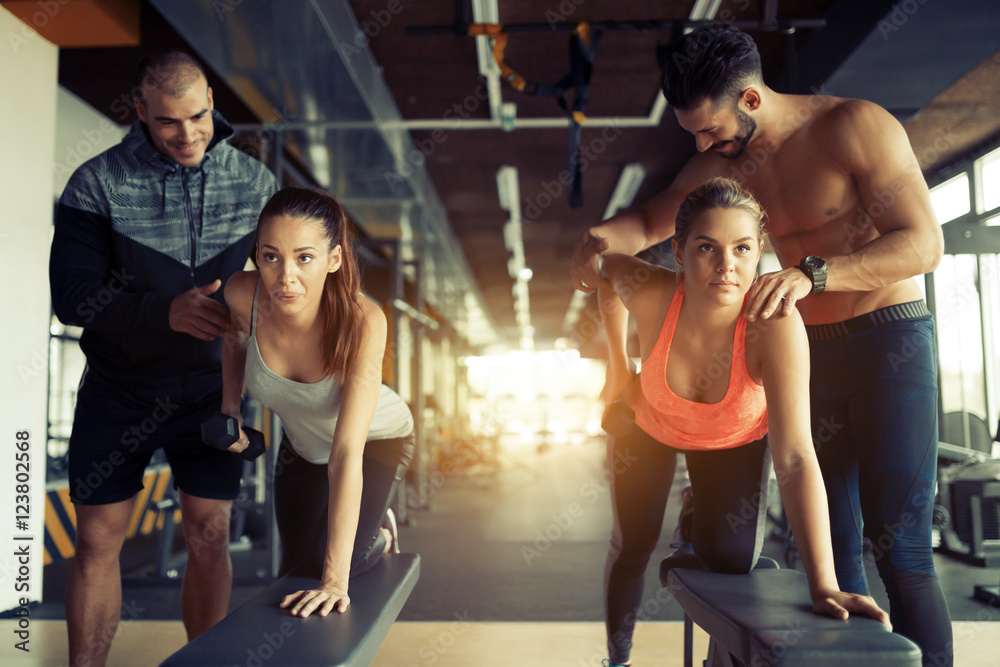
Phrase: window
(960, 345)
(951, 198)
(967, 305)
(988, 186)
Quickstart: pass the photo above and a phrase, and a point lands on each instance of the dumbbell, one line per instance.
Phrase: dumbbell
(219, 431)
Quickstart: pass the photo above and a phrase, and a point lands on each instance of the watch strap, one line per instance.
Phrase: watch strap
(816, 274)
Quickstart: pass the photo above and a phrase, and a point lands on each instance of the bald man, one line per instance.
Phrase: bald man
(145, 234)
(850, 219)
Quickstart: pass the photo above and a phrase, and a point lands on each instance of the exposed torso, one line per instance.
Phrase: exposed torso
(814, 208)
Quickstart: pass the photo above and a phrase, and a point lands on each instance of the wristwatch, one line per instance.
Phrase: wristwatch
(815, 268)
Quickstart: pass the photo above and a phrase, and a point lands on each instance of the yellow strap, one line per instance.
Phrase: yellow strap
(579, 117)
(485, 29)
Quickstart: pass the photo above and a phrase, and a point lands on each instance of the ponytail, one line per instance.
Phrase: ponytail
(340, 307)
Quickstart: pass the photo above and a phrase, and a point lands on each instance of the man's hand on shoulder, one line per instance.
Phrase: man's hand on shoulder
(195, 313)
(585, 272)
(777, 293)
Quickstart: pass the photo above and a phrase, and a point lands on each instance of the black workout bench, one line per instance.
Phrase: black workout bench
(260, 633)
(765, 619)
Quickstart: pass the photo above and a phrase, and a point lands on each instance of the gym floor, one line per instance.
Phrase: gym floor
(511, 573)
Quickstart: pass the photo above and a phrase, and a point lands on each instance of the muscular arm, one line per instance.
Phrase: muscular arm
(87, 289)
(636, 229)
(784, 359)
(905, 239)
(872, 146)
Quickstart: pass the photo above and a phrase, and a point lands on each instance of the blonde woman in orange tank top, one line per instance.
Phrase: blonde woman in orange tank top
(728, 394)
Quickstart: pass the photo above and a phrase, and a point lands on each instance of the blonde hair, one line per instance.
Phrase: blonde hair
(715, 194)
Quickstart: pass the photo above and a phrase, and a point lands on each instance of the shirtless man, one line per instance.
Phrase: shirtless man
(850, 219)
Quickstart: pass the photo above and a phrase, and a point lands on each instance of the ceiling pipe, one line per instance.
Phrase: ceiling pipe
(487, 11)
(503, 116)
(652, 120)
(569, 26)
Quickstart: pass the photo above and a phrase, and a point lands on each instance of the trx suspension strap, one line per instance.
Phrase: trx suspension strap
(582, 46)
(498, 38)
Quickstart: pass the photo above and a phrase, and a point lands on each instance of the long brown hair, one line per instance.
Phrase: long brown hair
(341, 304)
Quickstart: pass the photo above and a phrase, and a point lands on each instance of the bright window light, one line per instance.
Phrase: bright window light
(543, 396)
(989, 181)
(951, 198)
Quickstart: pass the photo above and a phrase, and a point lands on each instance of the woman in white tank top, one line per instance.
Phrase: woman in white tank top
(310, 346)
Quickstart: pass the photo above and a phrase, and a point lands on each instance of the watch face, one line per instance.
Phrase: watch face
(815, 268)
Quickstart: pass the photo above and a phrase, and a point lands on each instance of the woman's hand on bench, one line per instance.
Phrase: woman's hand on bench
(321, 600)
(838, 604)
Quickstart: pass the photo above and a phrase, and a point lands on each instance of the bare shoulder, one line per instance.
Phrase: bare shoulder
(374, 318)
(781, 337)
(650, 304)
(651, 284)
(239, 293)
(775, 329)
(845, 113)
(850, 129)
(700, 168)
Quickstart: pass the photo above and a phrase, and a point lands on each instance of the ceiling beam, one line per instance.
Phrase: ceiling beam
(848, 23)
(81, 23)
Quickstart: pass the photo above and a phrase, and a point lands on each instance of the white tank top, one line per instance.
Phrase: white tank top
(308, 410)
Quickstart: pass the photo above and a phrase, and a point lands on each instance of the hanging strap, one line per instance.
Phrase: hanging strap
(582, 47)
(498, 39)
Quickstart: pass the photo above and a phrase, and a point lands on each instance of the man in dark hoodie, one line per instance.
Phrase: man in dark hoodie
(145, 235)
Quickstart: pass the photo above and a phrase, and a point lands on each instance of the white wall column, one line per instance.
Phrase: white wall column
(28, 83)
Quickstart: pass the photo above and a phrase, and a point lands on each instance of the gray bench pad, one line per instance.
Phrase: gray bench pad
(260, 633)
(766, 618)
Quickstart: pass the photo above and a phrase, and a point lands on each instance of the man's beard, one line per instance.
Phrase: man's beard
(742, 139)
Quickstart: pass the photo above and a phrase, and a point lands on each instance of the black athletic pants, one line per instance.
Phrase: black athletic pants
(302, 494)
(730, 490)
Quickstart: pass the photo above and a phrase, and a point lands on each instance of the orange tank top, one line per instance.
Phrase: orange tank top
(738, 419)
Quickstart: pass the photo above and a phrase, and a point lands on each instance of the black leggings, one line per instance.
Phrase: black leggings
(874, 413)
(730, 490)
(302, 494)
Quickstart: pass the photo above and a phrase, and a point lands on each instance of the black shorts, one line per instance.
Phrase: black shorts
(115, 435)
